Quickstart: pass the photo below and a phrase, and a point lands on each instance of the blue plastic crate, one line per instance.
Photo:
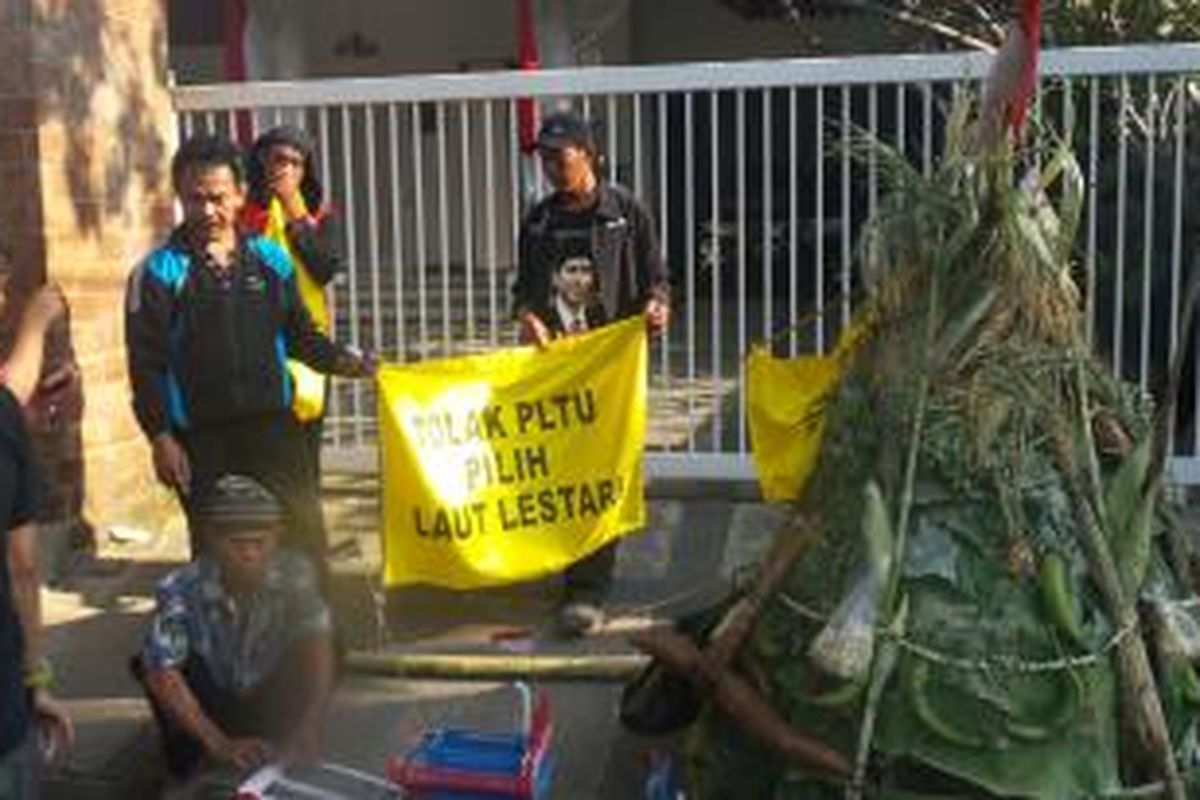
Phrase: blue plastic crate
(459, 764)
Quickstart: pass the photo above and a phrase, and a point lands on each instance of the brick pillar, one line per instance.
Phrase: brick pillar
(86, 133)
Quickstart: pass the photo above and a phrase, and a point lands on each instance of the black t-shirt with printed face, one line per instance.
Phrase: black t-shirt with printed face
(18, 501)
(576, 281)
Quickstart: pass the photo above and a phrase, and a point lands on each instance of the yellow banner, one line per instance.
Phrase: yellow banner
(308, 385)
(514, 464)
(785, 412)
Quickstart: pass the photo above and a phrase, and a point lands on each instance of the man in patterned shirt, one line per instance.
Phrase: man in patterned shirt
(238, 660)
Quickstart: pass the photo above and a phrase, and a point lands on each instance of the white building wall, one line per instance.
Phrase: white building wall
(666, 31)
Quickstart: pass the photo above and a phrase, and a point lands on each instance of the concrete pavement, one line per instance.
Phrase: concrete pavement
(683, 560)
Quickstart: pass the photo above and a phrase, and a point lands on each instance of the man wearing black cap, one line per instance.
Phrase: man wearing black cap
(588, 255)
(238, 660)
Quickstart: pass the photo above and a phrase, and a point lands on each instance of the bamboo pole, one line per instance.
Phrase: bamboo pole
(607, 667)
(1139, 690)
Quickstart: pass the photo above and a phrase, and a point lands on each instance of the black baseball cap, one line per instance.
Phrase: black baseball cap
(565, 129)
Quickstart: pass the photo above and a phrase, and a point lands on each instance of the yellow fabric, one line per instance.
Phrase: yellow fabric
(786, 413)
(308, 385)
(513, 464)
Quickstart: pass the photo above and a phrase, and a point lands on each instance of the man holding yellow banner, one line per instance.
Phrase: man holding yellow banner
(588, 256)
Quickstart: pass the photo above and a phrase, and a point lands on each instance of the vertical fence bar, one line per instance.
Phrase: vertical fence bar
(1068, 117)
(422, 254)
(1181, 100)
(611, 121)
(539, 176)
(1039, 117)
(1148, 227)
(468, 213)
(664, 229)
(373, 231)
(489, 213)
(846, 220)
(187, 124)
(740, 125)
(873, 152)
(639, 185)
(1122, 203)
(819, 222)
(333, 431)
(927, 129)
(397, 230)
(901, 121)
(1090, 305)
(689, 234)
(514, 155)
(793, 225)
(351, 259)
(768, 221)
(444, 227)
(1069, 114)
(715, 315)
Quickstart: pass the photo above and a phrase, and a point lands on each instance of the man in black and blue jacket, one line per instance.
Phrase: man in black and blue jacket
(211, 318)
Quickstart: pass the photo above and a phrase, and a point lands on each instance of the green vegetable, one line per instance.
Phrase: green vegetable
(923, 707)
(1061, 714)
(1056, 596)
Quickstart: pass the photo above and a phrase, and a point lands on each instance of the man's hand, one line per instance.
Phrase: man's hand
(358, 364)
(45, 306)
(171, 463)
(285, 184)
(658, 315)
(533, 330)
(244, 753)
(53, 723)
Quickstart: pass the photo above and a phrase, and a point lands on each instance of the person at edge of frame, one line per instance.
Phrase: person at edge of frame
(587, 256)
(34, 727)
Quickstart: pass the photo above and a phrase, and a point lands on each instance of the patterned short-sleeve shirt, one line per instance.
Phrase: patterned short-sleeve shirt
(240, 640)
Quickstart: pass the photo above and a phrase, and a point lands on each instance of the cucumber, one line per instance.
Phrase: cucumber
(1055, 591)
(918, 690)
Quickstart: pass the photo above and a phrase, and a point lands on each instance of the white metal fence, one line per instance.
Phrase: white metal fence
(757, 197)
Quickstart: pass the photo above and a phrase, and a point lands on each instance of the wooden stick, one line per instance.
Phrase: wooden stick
(740, 701)
(731, 632)
(1139, 691)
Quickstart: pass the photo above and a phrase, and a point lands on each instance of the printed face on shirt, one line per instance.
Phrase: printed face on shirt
(575, 281)
(212, 198)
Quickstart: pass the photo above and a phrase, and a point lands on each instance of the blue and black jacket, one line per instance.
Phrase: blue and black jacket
(207, 347)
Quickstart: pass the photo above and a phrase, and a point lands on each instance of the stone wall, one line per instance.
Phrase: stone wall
(86, 135)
